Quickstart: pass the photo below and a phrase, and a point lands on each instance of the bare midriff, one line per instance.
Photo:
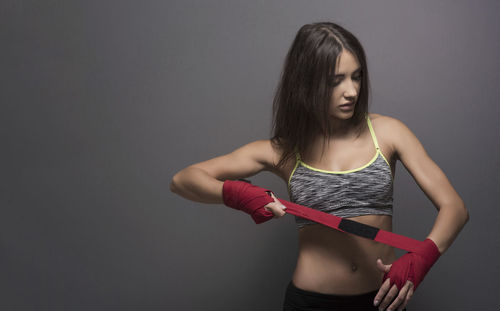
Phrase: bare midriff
(334, 262)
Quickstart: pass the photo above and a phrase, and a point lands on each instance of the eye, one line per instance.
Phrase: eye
(335, 82)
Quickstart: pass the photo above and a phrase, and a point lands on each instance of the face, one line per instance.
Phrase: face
(346, 85)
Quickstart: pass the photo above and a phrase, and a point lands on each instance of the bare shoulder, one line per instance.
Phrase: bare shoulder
(394, 131)
(264, 152)
(260, 151)
(384, 121)
(384, 125)
(269, 155)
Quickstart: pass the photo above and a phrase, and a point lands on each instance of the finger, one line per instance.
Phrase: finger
(276, 207)
(389, 297)
(401, 298)
(381, 292)
(408, 296)
(382, 267)
(278, 203)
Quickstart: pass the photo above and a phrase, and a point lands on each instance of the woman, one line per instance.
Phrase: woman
(338, 158)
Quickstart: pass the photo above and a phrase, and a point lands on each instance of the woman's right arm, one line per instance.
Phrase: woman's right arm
(202, 182)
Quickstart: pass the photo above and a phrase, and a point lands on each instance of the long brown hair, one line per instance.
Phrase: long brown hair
(302, 97)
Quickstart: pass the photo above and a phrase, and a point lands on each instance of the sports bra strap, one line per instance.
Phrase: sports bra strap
(297, 155)
(372, 132)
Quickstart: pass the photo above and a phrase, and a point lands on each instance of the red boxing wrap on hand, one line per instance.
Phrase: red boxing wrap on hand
(413, 266)
(248, 198)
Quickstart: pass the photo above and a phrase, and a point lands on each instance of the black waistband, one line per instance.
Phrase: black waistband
(336, 297)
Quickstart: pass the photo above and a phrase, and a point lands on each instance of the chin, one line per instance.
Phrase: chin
(343, 116)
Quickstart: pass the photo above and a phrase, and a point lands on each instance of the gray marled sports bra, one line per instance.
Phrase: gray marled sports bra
(366, 190)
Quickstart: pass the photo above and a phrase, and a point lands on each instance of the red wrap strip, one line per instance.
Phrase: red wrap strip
(332, 221)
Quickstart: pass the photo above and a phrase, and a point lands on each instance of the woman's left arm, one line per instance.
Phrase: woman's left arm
(404, 275)
(452, 214)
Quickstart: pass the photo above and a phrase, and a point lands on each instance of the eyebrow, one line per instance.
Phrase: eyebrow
(342, 74)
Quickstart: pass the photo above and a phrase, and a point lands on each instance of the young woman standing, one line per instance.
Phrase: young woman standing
(338, 158)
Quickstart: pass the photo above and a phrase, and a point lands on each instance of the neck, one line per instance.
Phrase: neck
(341, 129)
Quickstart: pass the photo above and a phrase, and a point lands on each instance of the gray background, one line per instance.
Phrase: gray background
(102, 102)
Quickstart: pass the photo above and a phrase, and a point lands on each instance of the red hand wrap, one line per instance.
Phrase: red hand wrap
(247, 198)
(413, 266)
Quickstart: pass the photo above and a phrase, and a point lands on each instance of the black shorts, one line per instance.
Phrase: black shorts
(297, 299)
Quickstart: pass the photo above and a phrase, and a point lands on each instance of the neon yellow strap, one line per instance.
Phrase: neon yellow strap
(372, 132)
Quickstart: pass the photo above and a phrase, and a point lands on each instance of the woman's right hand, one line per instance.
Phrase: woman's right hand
(256, 201)
(276, 207)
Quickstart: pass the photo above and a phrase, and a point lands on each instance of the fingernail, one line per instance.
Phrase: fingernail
(375, 303)
(283, 206)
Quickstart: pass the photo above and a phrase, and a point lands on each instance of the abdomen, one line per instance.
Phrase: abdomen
(335, 262)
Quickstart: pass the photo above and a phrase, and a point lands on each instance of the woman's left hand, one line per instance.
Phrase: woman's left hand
(386, 295)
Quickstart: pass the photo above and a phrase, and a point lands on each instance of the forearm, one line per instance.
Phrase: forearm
(449, 222)
(197, 185)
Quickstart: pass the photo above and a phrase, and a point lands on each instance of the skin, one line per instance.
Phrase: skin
(347, 81)
(330, 261)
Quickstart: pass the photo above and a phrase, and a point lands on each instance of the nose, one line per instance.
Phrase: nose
(351, 91)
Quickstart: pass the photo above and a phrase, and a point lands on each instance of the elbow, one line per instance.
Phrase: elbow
(174, 182)
(172, 186)
(465, 212)
(467, 217)
(459, 210)
(179, 180)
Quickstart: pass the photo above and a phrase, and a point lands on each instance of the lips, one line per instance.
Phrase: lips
(347, 105)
